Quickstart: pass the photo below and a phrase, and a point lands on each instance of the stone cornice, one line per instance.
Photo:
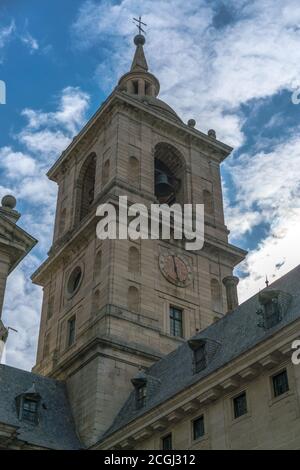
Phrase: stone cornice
(217, 149)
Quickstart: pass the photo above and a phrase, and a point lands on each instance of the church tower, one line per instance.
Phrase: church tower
(111, 307)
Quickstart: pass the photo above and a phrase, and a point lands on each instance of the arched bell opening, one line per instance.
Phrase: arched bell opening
(168, 174)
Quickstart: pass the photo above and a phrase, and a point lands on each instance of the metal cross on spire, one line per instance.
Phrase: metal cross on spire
(139, 24)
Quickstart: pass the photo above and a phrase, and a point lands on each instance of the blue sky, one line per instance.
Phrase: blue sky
(231, 66)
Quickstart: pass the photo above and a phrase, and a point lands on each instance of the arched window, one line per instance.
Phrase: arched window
(62, 221)
(134, 171)
(216, 296)
(105, 172)
(96, 301)
(87, 184)
(133, 260)
(133, 299)
(98, 265)
(169, 168)
(208, 202)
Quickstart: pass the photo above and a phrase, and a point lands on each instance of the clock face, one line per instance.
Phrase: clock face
(175, 269)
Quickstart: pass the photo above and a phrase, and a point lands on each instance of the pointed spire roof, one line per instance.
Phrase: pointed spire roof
(139, 62)
(139, 81)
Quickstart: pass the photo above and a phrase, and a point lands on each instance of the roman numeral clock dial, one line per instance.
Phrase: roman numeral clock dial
(176, 269)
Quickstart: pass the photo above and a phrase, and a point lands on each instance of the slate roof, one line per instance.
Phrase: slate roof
(56, 429)
(234, 334)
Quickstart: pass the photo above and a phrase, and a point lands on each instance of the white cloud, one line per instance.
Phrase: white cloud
(267, 185)
(70, 114)
(22, 302)
(30, 42)
(44, 136)
(6, 34)
(45, 142)
(205, 72)
(16, 164)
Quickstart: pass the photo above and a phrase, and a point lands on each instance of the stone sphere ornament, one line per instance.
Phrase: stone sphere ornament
(191, 122)
(139, 39)
(9, 201)
(212, 133)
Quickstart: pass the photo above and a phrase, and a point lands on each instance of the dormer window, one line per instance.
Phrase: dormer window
(198, 346)
(141, 395)
(28, 405)
(140, 384)
(204, 350)
(30, 410)
(200, 358)
(274, 304)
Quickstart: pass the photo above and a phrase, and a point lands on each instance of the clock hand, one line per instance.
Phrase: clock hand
(175, 267)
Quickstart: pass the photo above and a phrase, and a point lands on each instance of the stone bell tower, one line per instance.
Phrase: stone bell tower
(113, 306)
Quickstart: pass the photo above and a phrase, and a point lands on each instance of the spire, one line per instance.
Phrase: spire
(139, 62)
(139, 81)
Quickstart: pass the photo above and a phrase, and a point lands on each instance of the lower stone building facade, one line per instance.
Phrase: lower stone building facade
(248, 402)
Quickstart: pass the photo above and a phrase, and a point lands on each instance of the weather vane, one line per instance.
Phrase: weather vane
(139, 25)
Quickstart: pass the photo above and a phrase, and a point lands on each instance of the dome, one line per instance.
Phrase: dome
(158, 105)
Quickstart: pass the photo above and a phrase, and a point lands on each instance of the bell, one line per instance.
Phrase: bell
(162, 186)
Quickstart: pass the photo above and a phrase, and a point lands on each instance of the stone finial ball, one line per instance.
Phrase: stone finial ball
(191, 122)
(212, 133)
(139, 39)
(9, 201)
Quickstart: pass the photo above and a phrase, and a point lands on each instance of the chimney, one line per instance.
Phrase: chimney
(230, 283)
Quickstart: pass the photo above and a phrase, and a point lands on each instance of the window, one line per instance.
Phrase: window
(134, 171)
(96, 301)
(169, 174)
(74, 280)
(272, 313)
(105, 172)
(133, 299)
(147, 88)
(29, 410)
(141, 394)
(240, 405)
(176, 321)
(167, 442)
(274, 304)
(199, 357)
(87, 185)
(135, 86)
(208, 202)
(280, 383)
(133, 260)
(98, 265)
(71, 331)
(198, 428)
